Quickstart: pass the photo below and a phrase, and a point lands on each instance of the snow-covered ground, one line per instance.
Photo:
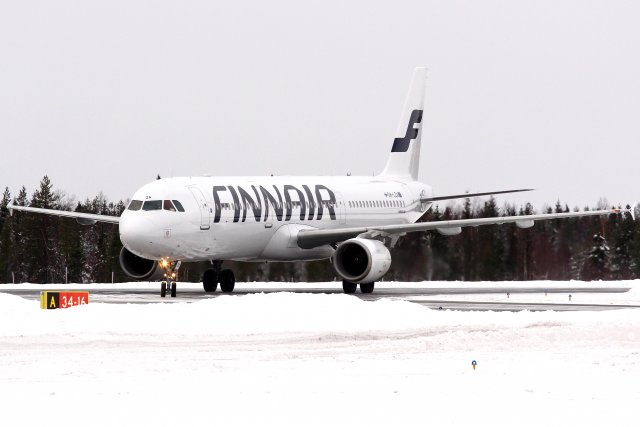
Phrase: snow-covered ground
(318, 359)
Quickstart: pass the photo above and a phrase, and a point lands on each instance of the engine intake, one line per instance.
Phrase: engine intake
(136, 267)
(361, 260)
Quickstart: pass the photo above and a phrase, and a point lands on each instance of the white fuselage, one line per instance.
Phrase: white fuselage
(258, 218)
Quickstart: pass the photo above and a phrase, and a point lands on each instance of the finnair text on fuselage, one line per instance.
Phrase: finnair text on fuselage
(283, 199)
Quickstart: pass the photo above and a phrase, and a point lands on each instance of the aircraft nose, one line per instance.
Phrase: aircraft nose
(136, 233)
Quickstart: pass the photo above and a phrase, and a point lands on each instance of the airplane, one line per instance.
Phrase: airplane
(351, 220)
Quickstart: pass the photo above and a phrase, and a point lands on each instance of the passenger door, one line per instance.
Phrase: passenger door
(205, 209)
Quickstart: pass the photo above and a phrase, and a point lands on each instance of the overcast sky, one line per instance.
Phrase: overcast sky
(102, 96)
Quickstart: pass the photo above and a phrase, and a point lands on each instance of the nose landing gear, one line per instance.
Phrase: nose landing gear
(170, 272)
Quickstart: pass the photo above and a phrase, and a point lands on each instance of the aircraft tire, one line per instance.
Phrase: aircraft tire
(163, 289)
(227, 280)
(348, 287)
(210, 280)
(173, 289)
(367, 288)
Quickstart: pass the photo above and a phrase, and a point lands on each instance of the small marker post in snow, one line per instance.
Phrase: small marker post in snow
(474, 364)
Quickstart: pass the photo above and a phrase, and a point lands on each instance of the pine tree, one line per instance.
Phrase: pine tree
(596, 265)
(43, 249)
(491, 245)
(559, 263)
(19, 238)
(469, 247)
(622, 259)
(6, 198)
(5, 238)
(511, 247)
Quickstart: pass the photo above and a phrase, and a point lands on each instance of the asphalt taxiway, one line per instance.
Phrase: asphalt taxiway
(424, 296)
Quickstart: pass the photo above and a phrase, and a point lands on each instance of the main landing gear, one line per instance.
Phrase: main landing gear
(214, 275)
(350, 288)
(170, 272)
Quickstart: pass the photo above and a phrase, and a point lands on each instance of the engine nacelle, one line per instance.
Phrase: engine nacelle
(136, 267)
(361, 260)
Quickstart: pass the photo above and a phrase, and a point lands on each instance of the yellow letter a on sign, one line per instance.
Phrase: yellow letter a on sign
(53, 302)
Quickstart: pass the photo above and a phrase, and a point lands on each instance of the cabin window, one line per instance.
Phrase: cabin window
(135, 205)
(152, 205)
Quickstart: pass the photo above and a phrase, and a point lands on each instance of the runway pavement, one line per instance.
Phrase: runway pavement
(423, 296)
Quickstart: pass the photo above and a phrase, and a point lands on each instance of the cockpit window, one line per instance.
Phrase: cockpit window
(178, 206)
(168, 206)
(152, 205)
(135, 205)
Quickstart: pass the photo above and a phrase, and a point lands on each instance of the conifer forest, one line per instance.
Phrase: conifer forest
(47, 249)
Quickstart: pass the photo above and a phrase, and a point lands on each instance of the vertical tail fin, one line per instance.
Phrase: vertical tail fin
(404, 160)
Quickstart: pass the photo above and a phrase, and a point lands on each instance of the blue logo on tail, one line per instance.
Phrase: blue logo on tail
(401, 145)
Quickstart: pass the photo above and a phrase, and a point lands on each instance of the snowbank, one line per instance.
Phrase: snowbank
(314, 359)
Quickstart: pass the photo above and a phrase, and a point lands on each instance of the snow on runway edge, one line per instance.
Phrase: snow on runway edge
(315, 359)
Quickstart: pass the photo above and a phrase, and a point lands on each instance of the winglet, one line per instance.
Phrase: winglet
(631, 211)
(10, 207)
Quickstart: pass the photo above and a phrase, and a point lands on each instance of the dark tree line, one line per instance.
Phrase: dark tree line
(45, 249)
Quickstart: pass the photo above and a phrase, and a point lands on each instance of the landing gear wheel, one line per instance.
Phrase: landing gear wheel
(227, 281)
(173, 289)
(348, 287)
(366, 288)
(163, 289)
(210, 280)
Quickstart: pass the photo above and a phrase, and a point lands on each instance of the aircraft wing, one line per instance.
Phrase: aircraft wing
(82, 218)
(464, 196)
(308, 239)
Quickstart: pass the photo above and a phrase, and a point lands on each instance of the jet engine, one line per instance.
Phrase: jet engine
(136, 267)
(361, 260)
